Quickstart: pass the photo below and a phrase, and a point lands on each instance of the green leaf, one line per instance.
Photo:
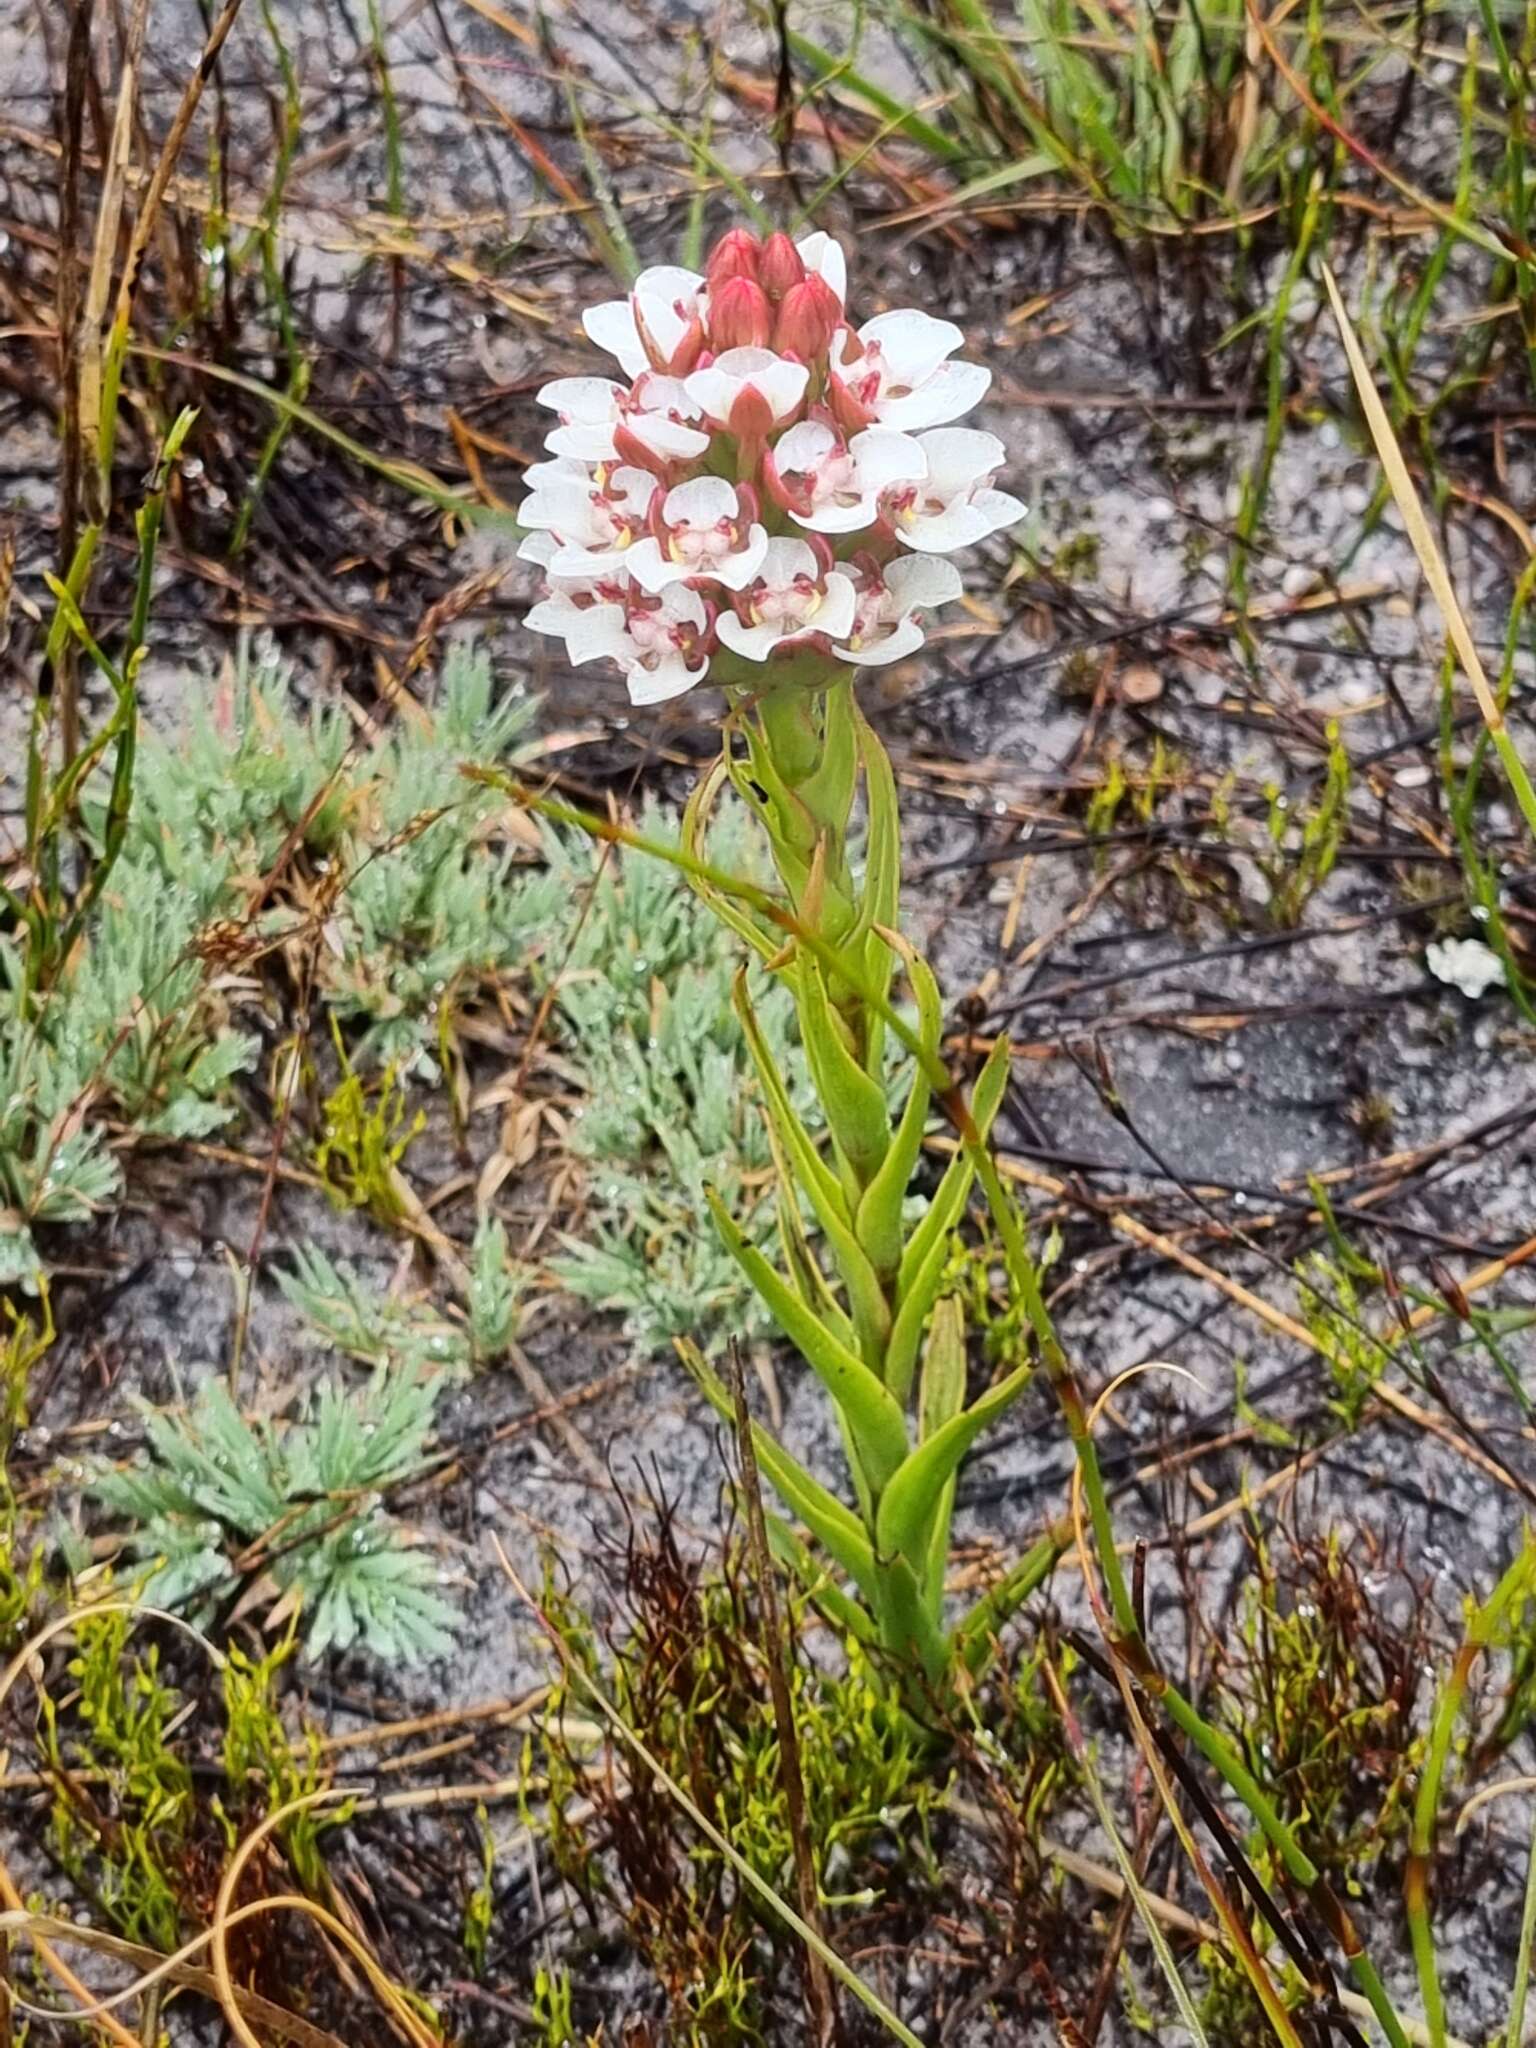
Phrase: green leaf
(216, 1482)
(879, 1221)
(835, 1605)
(972, 1638)
(836, 1529)
(695, 815)
(906, 1626)
(874, 1420)
(945, 1209)
(943, 1389)
(807, 1279)
(855, 1105)
(882, 885)
(820, 1183)
(871, 1315)
(940, 1400)
(913, 1495)
(830, 69)
(907, 1326)
(828, 792)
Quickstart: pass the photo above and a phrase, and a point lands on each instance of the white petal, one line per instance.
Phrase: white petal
(922, 580)
(666, 436)
(591, 564)
(738, 570)
(712, 391)
(884, 457)
(716, 388)
(651, 569)
(783, 386)
(740, 364)
(700, 502)
(612, 326)
(670, 678)
(833, 518)
(804, 447)
(959, 457)
(667, 298)
(537, 547)
(905, 638)
(584, 443)
(565, 504)
(655, 391)
(958, 526)
(999, 509)
(633, 489)
(596, 632)
(668, 282)
(538, 476)
(836, 613)
(824, 257)
(683, 607)
(552, 615)
(952, 390)
(912, 343)
(753, 643)
(785, 559)
(582, 398)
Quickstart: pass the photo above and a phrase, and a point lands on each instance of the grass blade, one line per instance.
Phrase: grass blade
(1431, 561)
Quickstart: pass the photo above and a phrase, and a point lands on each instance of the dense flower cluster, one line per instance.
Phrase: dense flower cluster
(769, 481)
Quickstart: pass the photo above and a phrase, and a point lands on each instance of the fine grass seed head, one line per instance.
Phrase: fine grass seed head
(1320, 1685)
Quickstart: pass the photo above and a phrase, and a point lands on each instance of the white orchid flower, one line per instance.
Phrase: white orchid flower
(593, 411)
(657, 641)
(566, 599)
(594, 517)
(728, 382)
(664, 310)
(901, 376)
(888, 622)
(792, 596)
(709, 529)
(647, 518)
(955, 505)
(832, 486)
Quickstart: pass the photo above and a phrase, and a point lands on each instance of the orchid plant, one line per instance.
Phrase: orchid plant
(767, 504)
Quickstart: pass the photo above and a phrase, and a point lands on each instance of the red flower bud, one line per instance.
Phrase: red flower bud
(737, 254)
(780, 269)
(810, 313)
(739, 315)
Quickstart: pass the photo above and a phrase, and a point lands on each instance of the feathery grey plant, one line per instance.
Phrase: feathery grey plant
(136, 1025)
(132, 1025)
(217, 1499)
(348, 1315)
(671, 1096)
